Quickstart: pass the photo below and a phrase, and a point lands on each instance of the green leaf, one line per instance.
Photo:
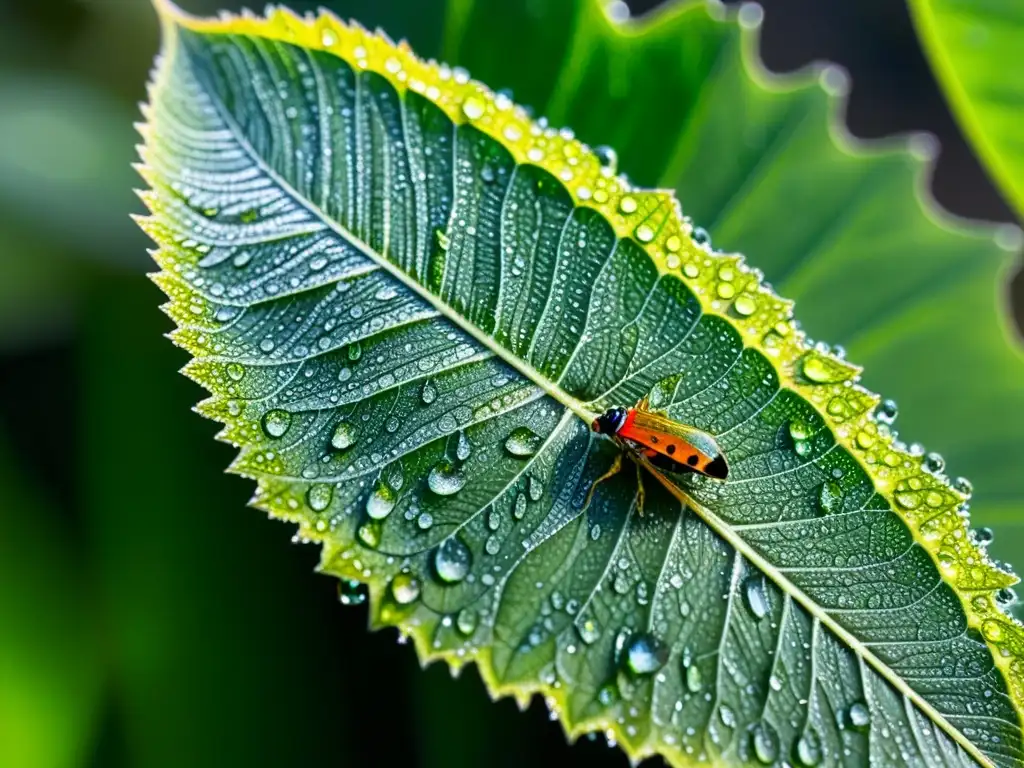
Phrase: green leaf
(974, 48)
(408, 301)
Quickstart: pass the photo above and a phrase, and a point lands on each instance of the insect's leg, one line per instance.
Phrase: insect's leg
(640, 493)
(613, 470)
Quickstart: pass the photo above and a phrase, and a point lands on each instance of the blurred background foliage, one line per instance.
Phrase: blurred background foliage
(147, 617)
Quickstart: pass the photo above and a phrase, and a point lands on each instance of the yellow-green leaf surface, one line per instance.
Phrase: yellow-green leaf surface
(974, 47)
(408, 299)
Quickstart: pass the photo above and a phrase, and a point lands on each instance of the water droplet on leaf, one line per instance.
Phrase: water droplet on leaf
(445, 479)
(452, 560)
(405, 588)
(523, 441)
(343, 437)
(351, 592)
(276, 422)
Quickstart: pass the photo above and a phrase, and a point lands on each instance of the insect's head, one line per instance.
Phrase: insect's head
(609, 422)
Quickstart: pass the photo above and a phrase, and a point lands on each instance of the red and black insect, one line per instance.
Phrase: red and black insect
(667, 444)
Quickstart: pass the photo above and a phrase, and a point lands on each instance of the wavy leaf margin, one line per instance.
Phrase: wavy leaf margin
(934, 510)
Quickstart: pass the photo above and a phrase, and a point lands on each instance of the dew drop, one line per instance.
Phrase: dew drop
(523, 441)
(644, 233)
(756, 591)
(344, 436)
(466, 621)
(608, 158)
(645, 654)
(765, 742)
(694, 678)
(745, 305)
(405, 588)
(628, 204)
(830, 497)
(381, 502)
(355, 351)
(535, 488)
(984, 536)
(429, 393)
(822, 370)
(319, 496)
(701, 236)
(727, 716)
(858, 716)
(473, 108)
(452, 560)
(445, 479)
(589, 631)
(351, 592)
(462, 447)
(520, 508)
(369, 534)
(267, 345)
(887, 411)
(933, 462)
(963, 485)
(807, 751)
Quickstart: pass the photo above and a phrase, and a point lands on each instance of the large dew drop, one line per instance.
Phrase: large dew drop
(858, 716)
(765, 743)
(445, 479)
(344, 436)
(405, 588)
(645, 654)
(319, 496)
(523, 441)
(381, 502)
(276, 422)
(429, 393)
(452, 560)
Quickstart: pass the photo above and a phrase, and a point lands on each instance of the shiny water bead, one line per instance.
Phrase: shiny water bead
(933, 462)
(351, 592)
(645, 654)
(589, 631)
(429, 393)
(745, 305)
(964, 486)
(755, 590)
(807, 752)
(628, 204)
(694, 678)
(765, 743)
(644, 233)
(452, 560)
(700, 236)
(608, 159)
(319, 496)
(522, 441)
(822, 370)
(858, 716)
(276, 423)
(887, 411)
(1006, 597)
(984, 536)
(445, 479)
(473, 107)
(466, 621)
(381, 501)
(369, 534)
(405, 588)
(344, 436)
(235, 372)
(354, 351)
(673, 244)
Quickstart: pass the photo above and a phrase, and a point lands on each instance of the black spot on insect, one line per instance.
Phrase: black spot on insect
(654, 439)
(692, 460)
(671, 449)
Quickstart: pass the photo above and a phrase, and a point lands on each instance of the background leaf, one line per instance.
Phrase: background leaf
(974, 48)
(307, 219)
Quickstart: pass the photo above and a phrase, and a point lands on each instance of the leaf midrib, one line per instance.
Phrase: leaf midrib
(717, 524)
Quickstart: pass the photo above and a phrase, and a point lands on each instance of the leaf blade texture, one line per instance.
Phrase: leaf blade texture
(408, 300)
